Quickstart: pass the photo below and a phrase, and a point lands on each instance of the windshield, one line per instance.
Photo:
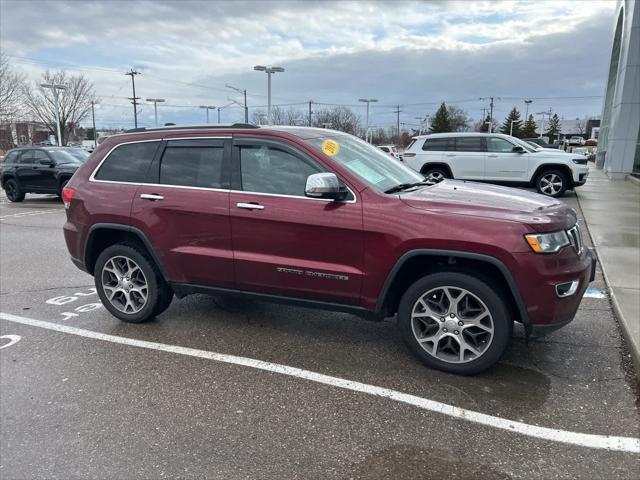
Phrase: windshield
(365, 161)
(70, 155)
(523, 144)
(534, 145)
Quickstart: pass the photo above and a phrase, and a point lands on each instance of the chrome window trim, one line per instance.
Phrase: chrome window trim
(169, 139)
(303, 197)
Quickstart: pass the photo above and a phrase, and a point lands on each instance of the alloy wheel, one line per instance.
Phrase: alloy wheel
(124, 284)
(551, 184)
(10, 190)
(434, 177)
(452, 324)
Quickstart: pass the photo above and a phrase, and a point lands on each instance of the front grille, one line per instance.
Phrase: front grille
(575, 237)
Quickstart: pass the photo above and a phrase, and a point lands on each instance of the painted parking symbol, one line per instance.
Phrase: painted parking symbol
(13, 339)
(68, 299)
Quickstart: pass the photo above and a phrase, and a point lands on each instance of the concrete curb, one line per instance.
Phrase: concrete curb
(633, 344)
(633, 179)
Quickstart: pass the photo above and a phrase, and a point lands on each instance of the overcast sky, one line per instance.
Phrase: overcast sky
(415, 54)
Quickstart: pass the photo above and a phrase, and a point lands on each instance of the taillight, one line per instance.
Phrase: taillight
(67, 195)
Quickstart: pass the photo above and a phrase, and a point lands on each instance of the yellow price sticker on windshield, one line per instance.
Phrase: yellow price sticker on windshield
(331, 148)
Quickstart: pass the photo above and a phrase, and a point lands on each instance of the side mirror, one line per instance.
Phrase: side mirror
(517, 149)
(46, 163)
(325, 185)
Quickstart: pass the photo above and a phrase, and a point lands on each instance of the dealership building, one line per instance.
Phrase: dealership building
(619, 138)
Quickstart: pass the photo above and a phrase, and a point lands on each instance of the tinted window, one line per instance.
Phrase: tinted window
(272, 170)
(67, 156)
(41, 157)
(128, 163)
(192, 166)
(499, 145)
(438, 144)
(469, 144)
(26, 157)
(11, 157)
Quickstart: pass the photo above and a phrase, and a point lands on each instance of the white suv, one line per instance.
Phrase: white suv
(495, 158)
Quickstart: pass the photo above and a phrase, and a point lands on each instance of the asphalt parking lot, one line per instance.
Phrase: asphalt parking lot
(86, 396)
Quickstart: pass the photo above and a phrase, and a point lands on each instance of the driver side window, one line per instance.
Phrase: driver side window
(499, 145)
(267, 169)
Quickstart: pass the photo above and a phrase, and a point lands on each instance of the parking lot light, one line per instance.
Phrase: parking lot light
(269, 71)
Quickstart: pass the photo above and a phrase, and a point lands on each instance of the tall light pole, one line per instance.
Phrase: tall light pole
(155, 101)
(132, 73)
(210, 107)
(543, 114)
(269, 71)
(527, 103)
(93, 117)
(55, 87)
(367, 101)
(243, 92)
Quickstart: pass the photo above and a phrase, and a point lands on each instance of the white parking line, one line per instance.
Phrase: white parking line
(28, 213)
(605, 442)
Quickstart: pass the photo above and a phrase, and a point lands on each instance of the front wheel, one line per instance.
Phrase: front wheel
(130, 285)
(13, 191)
(552, 183)
(454, 322)
(435, 175)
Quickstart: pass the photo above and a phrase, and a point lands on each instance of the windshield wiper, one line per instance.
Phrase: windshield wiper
(404, 186)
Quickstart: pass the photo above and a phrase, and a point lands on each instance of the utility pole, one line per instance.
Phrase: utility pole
(132, 73)
(397, 112)
(93, 117)
(55, 88)
(243, 92)
(310, 112)
(484, 118)
(155, 102)
(491, 116)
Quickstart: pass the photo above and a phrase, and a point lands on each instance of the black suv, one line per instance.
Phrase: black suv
(38, 170)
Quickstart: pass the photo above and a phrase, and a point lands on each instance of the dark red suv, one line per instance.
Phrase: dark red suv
(320, 218)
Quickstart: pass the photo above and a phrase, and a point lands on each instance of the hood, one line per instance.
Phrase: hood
(542, 214)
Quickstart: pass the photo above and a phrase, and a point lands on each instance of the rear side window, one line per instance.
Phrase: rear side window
(469, 144)
(438, 145)
(128, 163)
(193, 166)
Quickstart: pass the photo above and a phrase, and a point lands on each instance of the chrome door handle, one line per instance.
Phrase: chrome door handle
(250, 206)
(492, 156)
(151, 196)
(450, 154)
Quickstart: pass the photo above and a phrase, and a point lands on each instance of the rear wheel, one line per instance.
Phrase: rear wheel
(435, 174)
(552, 183)
(130, 285)
(454, 322)
(13, 191)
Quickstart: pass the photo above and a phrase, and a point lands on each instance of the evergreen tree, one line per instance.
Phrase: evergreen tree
(553, 129)
(528, 130)
(441, 121)
(514, 116)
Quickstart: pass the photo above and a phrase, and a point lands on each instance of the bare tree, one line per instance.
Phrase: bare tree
(280, 116)
(11, 92)
(581, 125)
(338, 118)
(74, 102)
(458, 119)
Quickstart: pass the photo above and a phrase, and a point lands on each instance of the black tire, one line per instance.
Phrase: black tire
(502, 323)
(435, 174)
(159, 294)
(13, 191)
(548, 180)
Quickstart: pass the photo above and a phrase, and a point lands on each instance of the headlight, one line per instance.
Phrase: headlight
(547, 242)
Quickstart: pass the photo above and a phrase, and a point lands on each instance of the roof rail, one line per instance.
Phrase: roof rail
(190, 127)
